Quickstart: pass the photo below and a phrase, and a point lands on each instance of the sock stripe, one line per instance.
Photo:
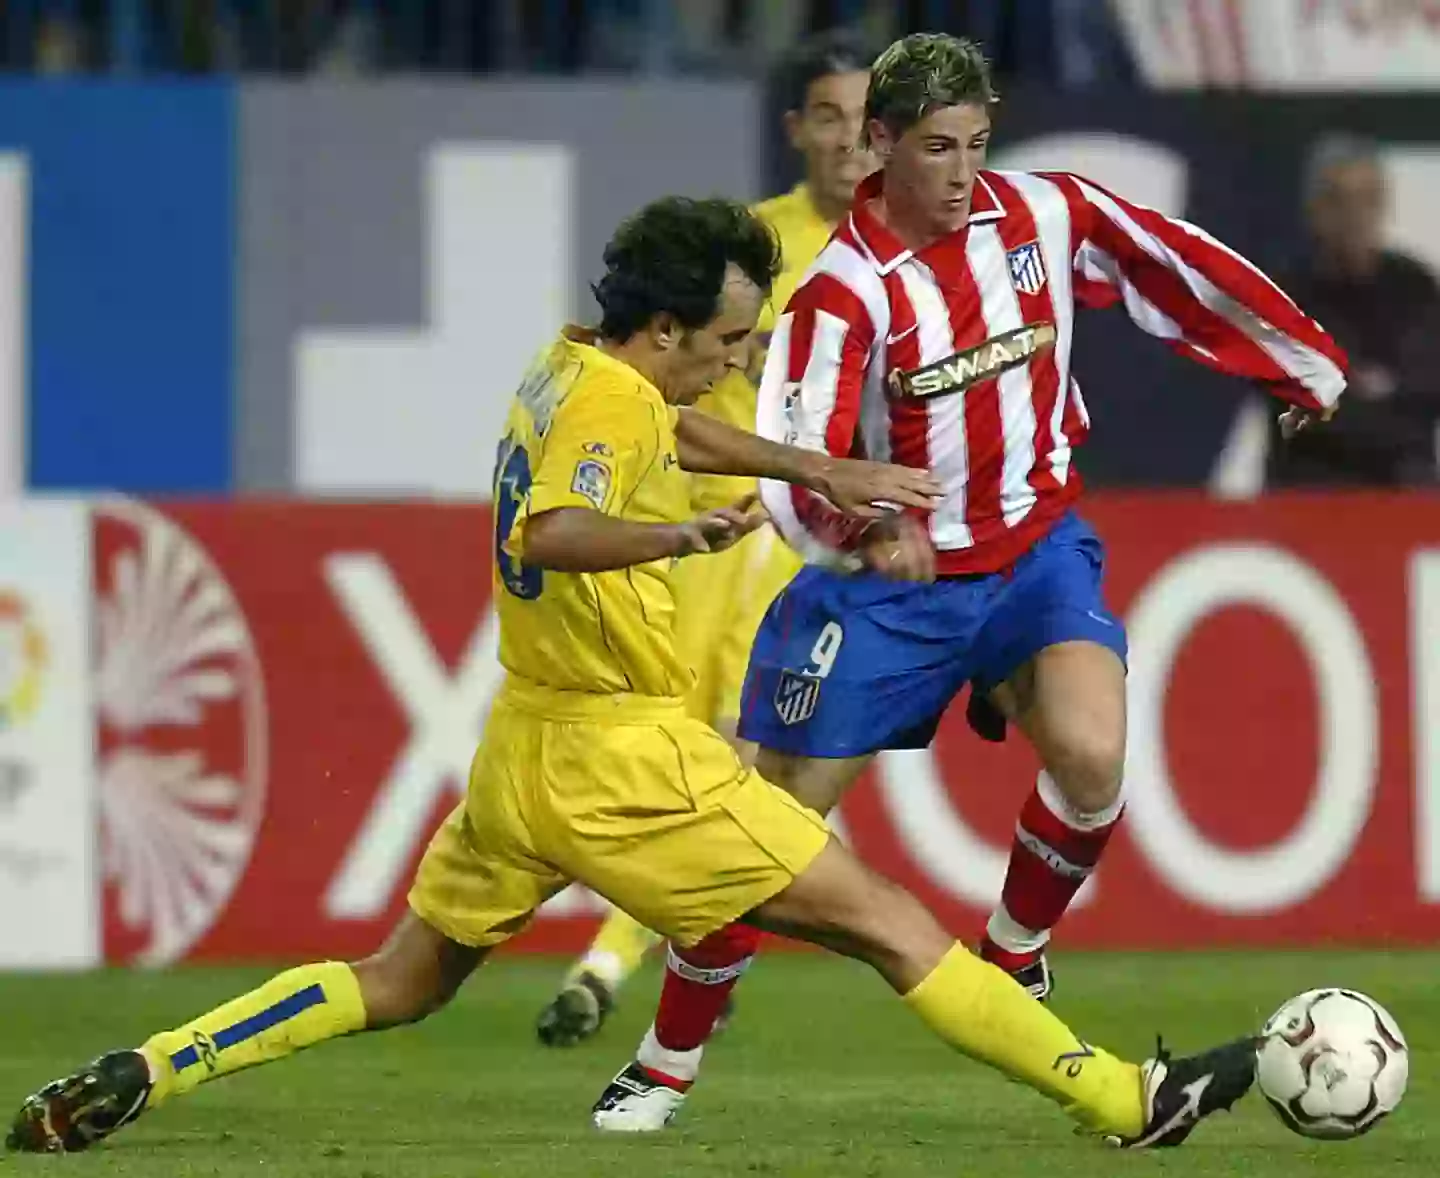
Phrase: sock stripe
(706, 977)
(1050, 856)
(282, 1011)
(248, 1028)
(1075, 820)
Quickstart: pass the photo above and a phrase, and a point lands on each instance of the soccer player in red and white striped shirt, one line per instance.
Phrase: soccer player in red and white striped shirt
(935, 330)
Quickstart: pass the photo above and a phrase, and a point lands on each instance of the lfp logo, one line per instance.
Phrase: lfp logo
(23, 657)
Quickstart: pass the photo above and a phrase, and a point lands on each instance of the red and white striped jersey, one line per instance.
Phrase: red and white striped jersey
(956, 358)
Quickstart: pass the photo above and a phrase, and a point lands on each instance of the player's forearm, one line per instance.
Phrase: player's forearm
(579, 540)
(707, 446)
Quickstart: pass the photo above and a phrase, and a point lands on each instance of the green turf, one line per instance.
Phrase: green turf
(823, 1073)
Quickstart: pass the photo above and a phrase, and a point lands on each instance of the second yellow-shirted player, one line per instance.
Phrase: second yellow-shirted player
(720, 602)
(720, 608)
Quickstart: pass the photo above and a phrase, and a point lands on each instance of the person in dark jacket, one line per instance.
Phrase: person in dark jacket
(1378, 303)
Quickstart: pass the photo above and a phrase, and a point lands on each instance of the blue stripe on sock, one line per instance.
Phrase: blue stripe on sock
(279, 1013)
(286, 1008)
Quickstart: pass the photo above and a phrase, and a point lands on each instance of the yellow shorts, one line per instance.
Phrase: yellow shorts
(720, 602)
(632, 797)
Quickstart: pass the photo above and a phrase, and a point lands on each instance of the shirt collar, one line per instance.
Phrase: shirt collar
(884, 249)
(586, 342)
(803, 197)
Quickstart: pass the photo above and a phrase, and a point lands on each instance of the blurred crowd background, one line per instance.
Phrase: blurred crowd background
(1285, 147)
(1075, 43)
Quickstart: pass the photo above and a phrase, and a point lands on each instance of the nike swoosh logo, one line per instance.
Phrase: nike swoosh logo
(1098, 618)
(895, 339)
(1188, 1113)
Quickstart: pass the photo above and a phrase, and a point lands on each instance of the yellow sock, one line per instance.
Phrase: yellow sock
(617, 950)
(982, 1011)
(292, 1010)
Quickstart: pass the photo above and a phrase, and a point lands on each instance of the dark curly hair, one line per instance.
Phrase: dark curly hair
(670, 258)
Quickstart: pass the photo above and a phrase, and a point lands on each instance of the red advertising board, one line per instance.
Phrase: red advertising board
(290, 694)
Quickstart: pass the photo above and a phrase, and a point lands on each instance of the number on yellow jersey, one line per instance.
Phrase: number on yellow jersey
(512, 484)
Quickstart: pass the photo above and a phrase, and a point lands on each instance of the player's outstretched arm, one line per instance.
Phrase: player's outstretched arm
(709, 446)
(1205, 300)
(583, 540)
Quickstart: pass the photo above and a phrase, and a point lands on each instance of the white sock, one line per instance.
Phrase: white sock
(1012, 936)
(1059, 805)
(682, 1065)
(604, 965)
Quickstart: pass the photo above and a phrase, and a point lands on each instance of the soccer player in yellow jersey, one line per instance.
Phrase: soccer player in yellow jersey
(720, 603)
(591, 770)
(823, 84)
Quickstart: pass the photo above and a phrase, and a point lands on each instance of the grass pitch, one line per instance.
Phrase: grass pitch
(822, 1073)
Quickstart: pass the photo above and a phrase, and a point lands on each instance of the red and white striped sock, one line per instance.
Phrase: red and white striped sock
(698, 981)
(1056, 849)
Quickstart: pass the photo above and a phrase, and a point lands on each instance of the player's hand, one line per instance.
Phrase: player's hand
(1294, 419)
(717, 530)
(873, 490)
(898, 547)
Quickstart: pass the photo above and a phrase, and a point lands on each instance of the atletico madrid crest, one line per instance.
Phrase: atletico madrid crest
(795, 696)
(1027, 268)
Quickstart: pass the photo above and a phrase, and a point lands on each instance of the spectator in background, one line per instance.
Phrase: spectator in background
(1378, 304)
(60, 46)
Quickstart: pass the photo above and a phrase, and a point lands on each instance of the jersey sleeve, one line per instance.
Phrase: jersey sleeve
(598, 449)
(810, 396)
(1206, 301)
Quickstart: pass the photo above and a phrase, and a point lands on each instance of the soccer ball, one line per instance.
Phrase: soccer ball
(1332, 1063)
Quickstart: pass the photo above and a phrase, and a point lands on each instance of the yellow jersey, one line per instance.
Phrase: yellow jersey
(803, 233)
(587, 430)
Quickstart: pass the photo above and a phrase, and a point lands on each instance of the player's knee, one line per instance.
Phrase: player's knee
(415, 973)
(898, 935)
(396, 991)
(841, 904)
(1089, 766)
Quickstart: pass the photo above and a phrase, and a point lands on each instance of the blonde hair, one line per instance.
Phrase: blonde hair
(923, 72)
